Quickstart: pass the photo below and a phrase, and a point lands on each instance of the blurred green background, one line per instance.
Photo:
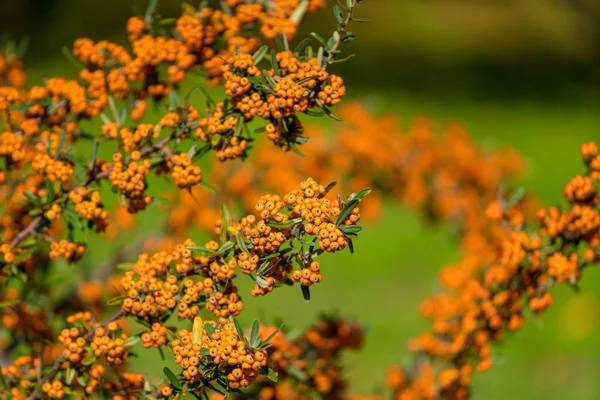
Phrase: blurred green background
(518, 73)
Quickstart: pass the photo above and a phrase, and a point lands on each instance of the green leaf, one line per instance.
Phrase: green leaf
(123, 115)
(95, 146)
(305, 292)
(9, 303)
(73, 218)
(150, 10)
(341, 60)
(209, 329)
(69, 375)
(299, 12)
(49, 195)
(337, 11)
(349, 37)
(260, 54)
(125, 266)
(328, 188)
(226, 247)
(515, 197)
(350, 228)
(295, 149)
(89, 360)
(351, 246)
(72, 59)
(261, 281)
(207, 252)
(82, 380)
(301, 46)
(35, 212)
(319, 38)
(208, 187)
(225, 220)
(32, 197)
(48, 146)
(61, 142)
(361, 194)
(116, 300)
(254, 340)
(241, 242)
(131, 341)
(274, 63)
(296, 373)
(272, 374)
(314, 113)
(346, 211)
(330, 114)
(239, 330)
(284, 225)
(349, 3)
(172, 378)
(204, 351)
(174, 99)
(264, 342)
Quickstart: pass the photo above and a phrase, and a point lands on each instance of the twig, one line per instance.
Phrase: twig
(37, 221)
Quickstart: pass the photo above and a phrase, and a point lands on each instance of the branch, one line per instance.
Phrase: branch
(37, 221)
(56, 367)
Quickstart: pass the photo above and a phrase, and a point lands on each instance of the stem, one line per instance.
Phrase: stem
(37, 221)
(56, 367)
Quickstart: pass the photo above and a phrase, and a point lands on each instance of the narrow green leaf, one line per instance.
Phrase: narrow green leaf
(150, 10)
(241, 242)
(32, 197)
(328, 188)
(48, 146)
(95, 146)
(350, 228)
(262, 282)
(72, 59)
(208, 187)
(285, 224)
(226, 247)
(225, 220)
(172, 378)
(239, 330)
(89, 360)
(61, 142)
(274, 63)
(346, 211)
(515, 197)
(327, 111)
(206, 252)
(266, 341)
(254, 340)
(298, 14)
(319, 38)
(9, 303)
(305, 292)
(337, 11)
(260, 54)
(174, 99)
(131, 341)
(361, 194)
(301, 46)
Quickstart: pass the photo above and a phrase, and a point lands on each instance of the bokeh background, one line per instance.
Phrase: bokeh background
(517, 73)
